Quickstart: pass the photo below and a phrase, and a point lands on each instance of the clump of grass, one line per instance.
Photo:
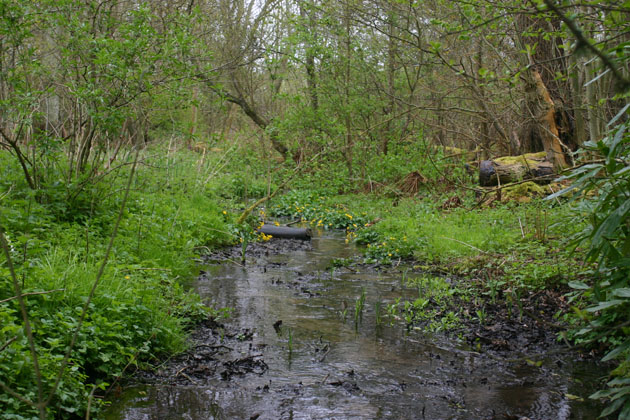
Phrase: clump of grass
(358, 307)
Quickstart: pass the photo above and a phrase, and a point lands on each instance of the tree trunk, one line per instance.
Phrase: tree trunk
(542, 126)
(311, 81)
(548, 100)
(348, 122)
(260, 121)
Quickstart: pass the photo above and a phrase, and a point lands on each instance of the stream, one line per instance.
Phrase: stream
(288, 352)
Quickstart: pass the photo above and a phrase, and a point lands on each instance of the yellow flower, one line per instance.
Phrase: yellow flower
(276, 223)
(349, 216)
(389, 255)
(127, 277)
(224, 212)
(354, 224)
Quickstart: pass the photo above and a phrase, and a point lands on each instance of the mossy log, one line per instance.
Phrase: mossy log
(508, 169)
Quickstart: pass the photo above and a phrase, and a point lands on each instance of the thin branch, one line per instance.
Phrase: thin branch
(624, 83)
(99, 275)
(7, 344)
(16, 395)
(27, 325)
(32, 294)
(466, 244)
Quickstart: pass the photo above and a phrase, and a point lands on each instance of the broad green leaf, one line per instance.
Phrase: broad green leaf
(579, 285)
(623, 292)
(605, 305)
(619, 114)
(616, 351)
(611, 222)
(616, 405)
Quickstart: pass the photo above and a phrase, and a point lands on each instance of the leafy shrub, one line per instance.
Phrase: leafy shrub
(603, 187)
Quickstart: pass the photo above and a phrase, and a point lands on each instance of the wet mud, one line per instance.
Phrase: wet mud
(292, 349)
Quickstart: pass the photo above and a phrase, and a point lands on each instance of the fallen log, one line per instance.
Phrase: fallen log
(510, 169)
(286, 232)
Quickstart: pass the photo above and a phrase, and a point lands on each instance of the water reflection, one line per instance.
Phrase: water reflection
(370, 372)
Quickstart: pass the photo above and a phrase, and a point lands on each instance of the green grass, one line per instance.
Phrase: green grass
(141, 309)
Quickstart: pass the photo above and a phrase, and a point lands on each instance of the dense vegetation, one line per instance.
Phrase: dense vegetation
(135, 135)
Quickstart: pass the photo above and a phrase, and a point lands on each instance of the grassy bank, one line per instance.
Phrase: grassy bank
(504, 254)
(57, 239)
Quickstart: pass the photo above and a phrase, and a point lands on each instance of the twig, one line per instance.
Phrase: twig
(181, 371)
(89, 406)
(41, 405)
(99, 275)
(521, 225)
(623, 82)
(553, 192)
(189, 378)
(8, 343)
(16, 395)
(6, 193)
(321, 359)
(234, 262)
(468, 245)
(32, 294)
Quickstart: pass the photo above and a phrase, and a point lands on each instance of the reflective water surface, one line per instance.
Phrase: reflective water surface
(321, 366)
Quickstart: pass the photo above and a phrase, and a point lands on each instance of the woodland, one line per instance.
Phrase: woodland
(485, 139)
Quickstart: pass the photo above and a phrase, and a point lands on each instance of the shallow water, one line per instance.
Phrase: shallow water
(321, 366)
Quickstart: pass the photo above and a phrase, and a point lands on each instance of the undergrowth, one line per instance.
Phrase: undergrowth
(141, 309)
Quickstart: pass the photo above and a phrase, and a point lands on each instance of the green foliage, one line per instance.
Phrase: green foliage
(605, 202)
(141, 309)
(318, 210)
(432, 309)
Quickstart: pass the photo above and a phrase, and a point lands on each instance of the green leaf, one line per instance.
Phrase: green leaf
(605, 305)
(612, 408)
(612, 222)
(617, 351)
(619, 114)
(579, 285)
(623, 292)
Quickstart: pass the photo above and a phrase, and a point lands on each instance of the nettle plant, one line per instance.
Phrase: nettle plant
(604, 186)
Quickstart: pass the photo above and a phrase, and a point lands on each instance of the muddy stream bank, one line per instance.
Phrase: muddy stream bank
(288, 353)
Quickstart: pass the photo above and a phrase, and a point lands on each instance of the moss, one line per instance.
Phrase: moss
(523, 193)
(528, 159)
